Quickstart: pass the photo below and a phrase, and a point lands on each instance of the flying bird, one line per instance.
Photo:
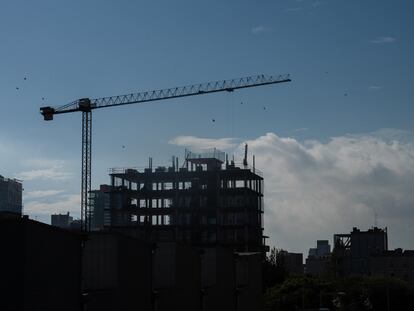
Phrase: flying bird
(214, 120)
(264, 108)
(24, 78)
(346, 94)
(43, 98)
(17, 87)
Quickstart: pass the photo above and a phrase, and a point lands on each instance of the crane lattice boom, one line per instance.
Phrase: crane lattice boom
(86, 105)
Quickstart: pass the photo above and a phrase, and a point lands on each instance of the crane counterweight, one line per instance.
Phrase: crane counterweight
(47, 113)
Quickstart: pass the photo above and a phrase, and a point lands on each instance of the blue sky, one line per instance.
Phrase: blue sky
(350, 62)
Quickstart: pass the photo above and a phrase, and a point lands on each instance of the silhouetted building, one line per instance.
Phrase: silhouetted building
(318, 265)
(293, 263)
(75, 225)
(218, 279)
(396, 263)
(318, 261)
(116, 273)
(10, 195)
(176, 277)
(61, 220)
(40, 266)
(205, 203)
(322, 249)
(100, 207)
(249, 292)
(352, 251)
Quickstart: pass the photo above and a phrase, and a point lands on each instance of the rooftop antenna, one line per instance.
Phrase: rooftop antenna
(185, 159)
(254, 164)
(245, 156)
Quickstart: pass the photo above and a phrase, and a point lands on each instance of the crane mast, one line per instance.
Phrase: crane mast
(86, 105)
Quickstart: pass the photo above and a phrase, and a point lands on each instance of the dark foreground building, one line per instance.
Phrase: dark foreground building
(352, 252)
(396, 263)
(116, 273)
(188, 238)
(47, 268)
(39, 266)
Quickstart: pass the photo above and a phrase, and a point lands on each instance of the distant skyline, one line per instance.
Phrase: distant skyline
(335, 144)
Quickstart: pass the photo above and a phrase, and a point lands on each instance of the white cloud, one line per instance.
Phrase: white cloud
(37, 194)
(44, 169)
(259, 29)
(197, 143)
(49, 173)
(381, 40)
(61, 204)
(315, 189)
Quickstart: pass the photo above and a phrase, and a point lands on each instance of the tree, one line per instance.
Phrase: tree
(351, 293)
(274, 271)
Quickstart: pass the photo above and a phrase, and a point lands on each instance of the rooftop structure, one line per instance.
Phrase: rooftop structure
(318, 259)
(10, 195)
(206, 202)
(352, 251)
(61, 220)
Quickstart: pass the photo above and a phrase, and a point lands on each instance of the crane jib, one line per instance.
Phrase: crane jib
(86, 105)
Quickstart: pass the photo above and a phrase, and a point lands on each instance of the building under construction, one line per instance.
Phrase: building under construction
(208, 201)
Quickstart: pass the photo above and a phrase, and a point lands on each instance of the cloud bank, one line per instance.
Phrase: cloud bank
(382, 40)
(56, 203)
(45, 169)
(315, 189)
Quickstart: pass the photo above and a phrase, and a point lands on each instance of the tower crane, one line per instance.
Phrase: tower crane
(86, 105)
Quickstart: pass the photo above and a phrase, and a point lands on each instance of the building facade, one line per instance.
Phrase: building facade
(61, 220)
(322, 249)
(318, 261)
(397, 263)
(99, 202)
(10, 195)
